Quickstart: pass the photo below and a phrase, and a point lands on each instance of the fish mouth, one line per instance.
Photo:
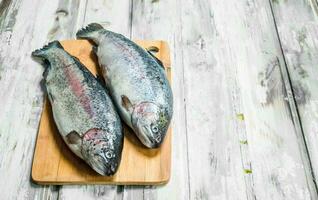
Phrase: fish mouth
(154, 145)
(105, 169)
(148, 141)
(99, 153)
(142, 137)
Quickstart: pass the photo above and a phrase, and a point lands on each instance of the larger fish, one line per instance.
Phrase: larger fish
(136, 81)
(83, 112)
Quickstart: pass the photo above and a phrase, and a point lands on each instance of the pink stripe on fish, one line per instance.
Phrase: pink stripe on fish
(78, 89)
(97, 136)
(91, 134)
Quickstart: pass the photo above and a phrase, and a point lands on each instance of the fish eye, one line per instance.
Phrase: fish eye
(109, 154)
(154, 128)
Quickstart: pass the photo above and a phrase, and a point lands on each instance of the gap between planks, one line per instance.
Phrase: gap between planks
(295, 113)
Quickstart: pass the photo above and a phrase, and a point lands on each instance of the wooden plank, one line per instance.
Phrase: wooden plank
(297, 27)
(213, 101)
(231, 43)
(55, 164)
(87, 192)
(20, 92)
(23, 35)
(111, 14)
(114, 15)
(161, 20)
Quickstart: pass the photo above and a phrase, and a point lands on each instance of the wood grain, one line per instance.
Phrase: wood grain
(233, 47)
(161, 20)
(114, 15)
(242, 40)
(55, 164)
(212, 103)
(23, 29)
(297, 26)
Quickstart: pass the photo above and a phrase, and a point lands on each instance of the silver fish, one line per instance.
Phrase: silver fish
(83, 112)
(137, 83)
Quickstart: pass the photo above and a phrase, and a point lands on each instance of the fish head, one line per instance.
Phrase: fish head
(150, 122)
(99, 151)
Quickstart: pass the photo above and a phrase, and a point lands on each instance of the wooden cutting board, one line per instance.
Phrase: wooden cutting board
(54, 163)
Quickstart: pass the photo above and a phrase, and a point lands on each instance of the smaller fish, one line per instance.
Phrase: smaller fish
(83, 112)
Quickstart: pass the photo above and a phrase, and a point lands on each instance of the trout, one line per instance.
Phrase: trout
(82, 110)
(136, 81)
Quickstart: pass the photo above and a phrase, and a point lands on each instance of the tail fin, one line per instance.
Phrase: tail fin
(42, 53)
(90, 31)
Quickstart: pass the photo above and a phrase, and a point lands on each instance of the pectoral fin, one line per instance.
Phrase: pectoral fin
(126, 103)
(73, 138)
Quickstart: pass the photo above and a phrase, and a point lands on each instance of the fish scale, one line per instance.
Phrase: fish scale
(83, 112)
(136, 81)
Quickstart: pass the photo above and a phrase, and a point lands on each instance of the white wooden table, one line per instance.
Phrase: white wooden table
(245, 84)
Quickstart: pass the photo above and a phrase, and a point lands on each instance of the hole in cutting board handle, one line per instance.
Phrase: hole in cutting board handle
(153, 49)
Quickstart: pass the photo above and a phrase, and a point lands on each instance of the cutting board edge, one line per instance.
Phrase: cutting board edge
(142, 182)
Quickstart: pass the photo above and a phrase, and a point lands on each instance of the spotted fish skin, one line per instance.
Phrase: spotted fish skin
(136, 81)
(83, 112)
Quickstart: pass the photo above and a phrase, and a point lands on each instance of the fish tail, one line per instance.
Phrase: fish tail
(43, 52)
(91, 31)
